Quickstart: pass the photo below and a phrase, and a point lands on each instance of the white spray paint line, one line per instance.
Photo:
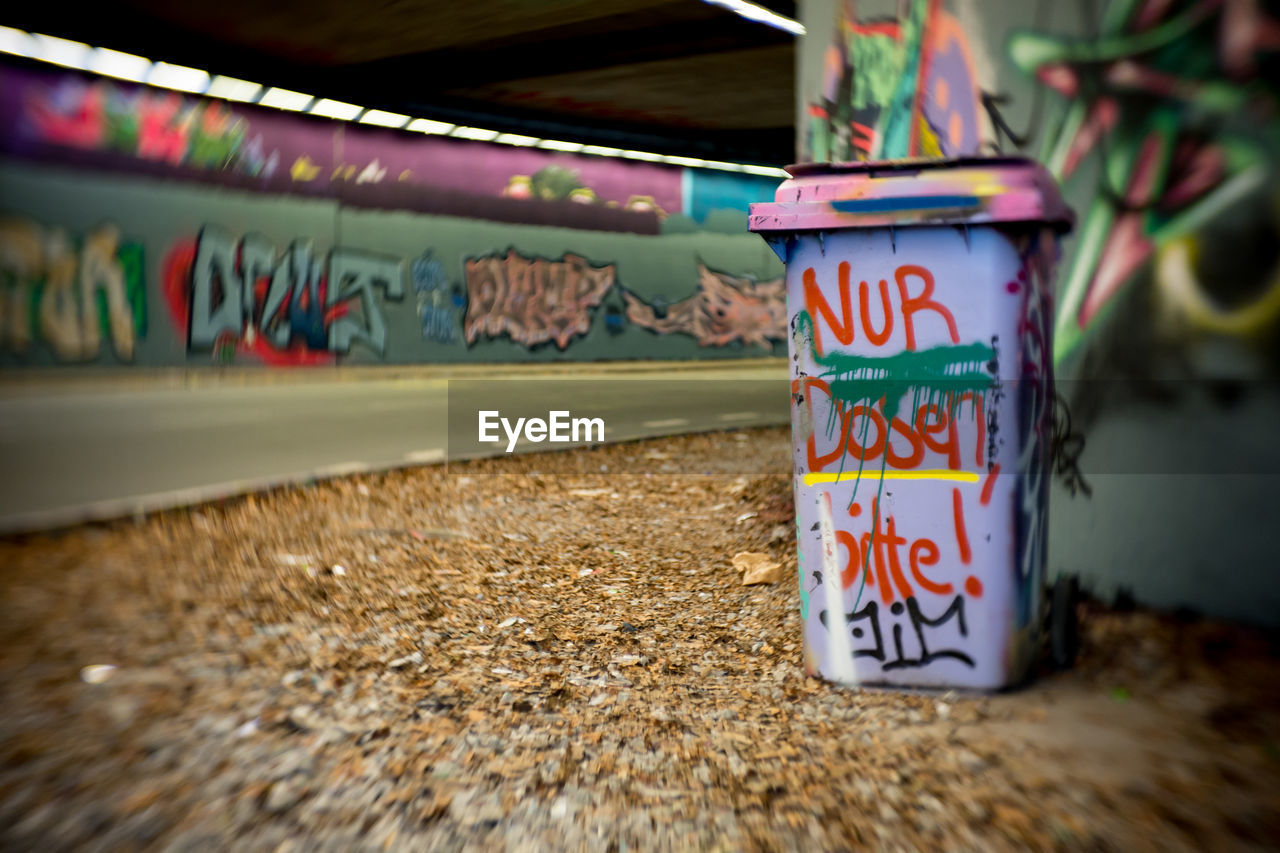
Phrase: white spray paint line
(739, 416)
(839, 650)
(669, 422)
(431, 454)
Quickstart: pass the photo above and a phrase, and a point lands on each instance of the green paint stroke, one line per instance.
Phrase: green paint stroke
(939, 377)
(133, 262)
(941, 374)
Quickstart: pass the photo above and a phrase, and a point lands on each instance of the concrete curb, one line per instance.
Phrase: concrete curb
(134, 506)
(15, 382)
(114, 509)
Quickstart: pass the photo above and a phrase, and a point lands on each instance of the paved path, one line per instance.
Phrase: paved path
(74, 453)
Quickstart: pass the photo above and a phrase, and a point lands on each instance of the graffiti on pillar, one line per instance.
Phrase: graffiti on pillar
(440, 305)
(298, 306)
(533, 301)
(1161, 116)
(1170, 101)
(725, 309)
(899, 87)
(72, 299)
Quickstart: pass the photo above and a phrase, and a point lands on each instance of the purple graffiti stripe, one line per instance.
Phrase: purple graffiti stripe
(64, 116)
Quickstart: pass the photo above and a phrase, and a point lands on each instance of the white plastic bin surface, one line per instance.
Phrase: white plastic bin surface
(921, 403)
(919, 296)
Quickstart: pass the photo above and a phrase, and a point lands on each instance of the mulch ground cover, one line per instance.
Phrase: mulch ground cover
(554, 651)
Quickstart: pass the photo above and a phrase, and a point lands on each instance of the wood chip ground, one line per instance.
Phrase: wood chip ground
(537, 654)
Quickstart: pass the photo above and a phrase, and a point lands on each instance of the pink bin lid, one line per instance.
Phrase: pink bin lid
(966, 191)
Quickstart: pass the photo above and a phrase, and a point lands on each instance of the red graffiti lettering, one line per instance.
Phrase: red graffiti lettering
(962, 535)
(911, 305)
(876, 557)
(816, 304)
(842, 327)
(882, 337)
(863, 434)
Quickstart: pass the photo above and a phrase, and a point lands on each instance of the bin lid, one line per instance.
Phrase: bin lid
(970, 190)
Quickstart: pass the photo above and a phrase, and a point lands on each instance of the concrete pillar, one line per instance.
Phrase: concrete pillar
(1161, 124)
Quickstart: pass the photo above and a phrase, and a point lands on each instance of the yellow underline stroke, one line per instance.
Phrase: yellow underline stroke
(927, 474)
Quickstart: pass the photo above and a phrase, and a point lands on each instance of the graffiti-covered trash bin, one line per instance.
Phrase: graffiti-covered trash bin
(919, 303)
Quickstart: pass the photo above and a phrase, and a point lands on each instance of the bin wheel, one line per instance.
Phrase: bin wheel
(1064, 630)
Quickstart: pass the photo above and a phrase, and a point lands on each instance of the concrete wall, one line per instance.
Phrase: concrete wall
(146, 227)
(112, 269)
(1161, 122)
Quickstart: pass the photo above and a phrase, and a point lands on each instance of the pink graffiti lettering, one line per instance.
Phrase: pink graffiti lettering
(533, 300)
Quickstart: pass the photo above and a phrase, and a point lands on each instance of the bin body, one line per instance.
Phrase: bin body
(920, 309)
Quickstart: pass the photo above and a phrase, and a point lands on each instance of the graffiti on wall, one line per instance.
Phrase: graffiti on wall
(560, 183)
(724, 309)
(533, 301)
(60, 115)
(69, 298)
(292, 307)
(243, 297)
(550, 183)
(147, 124)
(440, 305)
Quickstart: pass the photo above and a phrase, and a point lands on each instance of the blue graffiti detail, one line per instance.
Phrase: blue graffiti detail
(438, 308)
